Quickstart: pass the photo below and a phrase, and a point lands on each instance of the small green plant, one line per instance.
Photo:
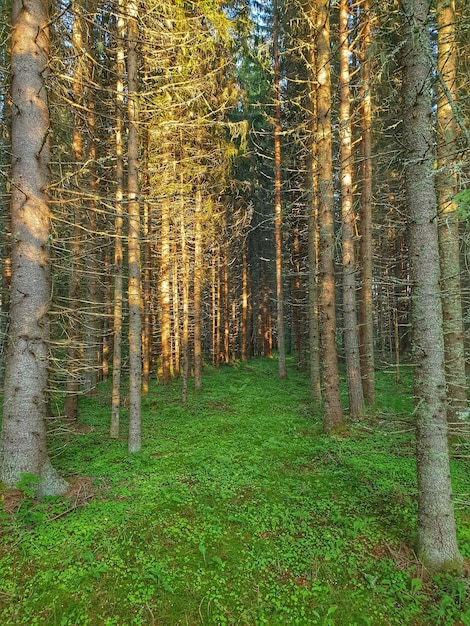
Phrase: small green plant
(27, 484)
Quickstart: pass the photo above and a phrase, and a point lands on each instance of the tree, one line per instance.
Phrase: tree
(134, 235)
(277, 198)
(437, 544)
(351, 343)
(448, 222)
(332, 401)
(23, 440)
(366, 307)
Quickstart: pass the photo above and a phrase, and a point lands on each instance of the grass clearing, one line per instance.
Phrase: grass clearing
(238, 511)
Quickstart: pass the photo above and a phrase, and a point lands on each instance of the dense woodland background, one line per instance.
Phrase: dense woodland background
(227, 180)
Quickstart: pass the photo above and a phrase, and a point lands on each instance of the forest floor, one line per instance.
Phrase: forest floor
(238, 510)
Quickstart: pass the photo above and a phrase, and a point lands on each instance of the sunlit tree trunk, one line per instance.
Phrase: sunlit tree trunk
(366, 311)
(185, 301)
(118, 223)
(165, 299)
(146, 272)
(436, 543)
(448, 222)
(23, 438)
(277, 199)
(245, 304)
(197, 292)
(134, 290)
(351, 342)
(332, 415)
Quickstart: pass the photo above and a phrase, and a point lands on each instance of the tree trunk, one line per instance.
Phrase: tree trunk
(197, 292)
(351, 341)
(277, 200)
(366, 310)
(332, 402)
(437, 544)
(135, 295)
(74, 322)
(448, 222)
(118, 222)
(165, 300)
(23, 440)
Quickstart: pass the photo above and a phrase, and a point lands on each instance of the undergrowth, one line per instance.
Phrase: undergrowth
(238, 510)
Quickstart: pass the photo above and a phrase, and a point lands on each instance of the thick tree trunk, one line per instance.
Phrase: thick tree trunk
(332, 402)
(23, 440)
(366, 310)
(448, 222)
(437, 544)
(351, 340)
(134, 290)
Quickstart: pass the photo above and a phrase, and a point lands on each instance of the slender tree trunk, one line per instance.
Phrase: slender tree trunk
(118, 223)
(448, 222)
(351, 341)
(185, 301)
(313, 239)
(165, 300)
(135, 291)
(23, 438)
(197, 286)
(73, 352)
(277, 199)
(146, 273)
(332, 402)
(245, 297)
(225, 304)
(366, 310)
(437, 544)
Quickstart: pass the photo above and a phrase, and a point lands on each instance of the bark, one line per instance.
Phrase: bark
(74, 322)
(197, 285)
(366, 305)
(313, 242)
(245, 304)
(448, 222)
(118, 223)
(332, 416)
(134, 289)
(165, 300)
(436, 545)
(23, 439)
(277, 200)
(351, 340)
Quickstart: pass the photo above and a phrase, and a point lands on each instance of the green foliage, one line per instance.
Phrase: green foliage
(238, 511)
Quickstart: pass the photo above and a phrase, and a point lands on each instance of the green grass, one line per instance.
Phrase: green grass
(238, 511)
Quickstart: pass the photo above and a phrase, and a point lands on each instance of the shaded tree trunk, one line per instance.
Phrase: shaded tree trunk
(23, 439)
(436, 544)
(366, 307)
(277, 200)
(351, 341)
(118, 223)
(448, 222)
(332, 415)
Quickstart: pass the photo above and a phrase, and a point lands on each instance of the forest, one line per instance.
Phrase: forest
(234, 328)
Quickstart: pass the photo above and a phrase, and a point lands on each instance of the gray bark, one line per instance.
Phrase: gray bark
(23, 441)
(437, 544)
